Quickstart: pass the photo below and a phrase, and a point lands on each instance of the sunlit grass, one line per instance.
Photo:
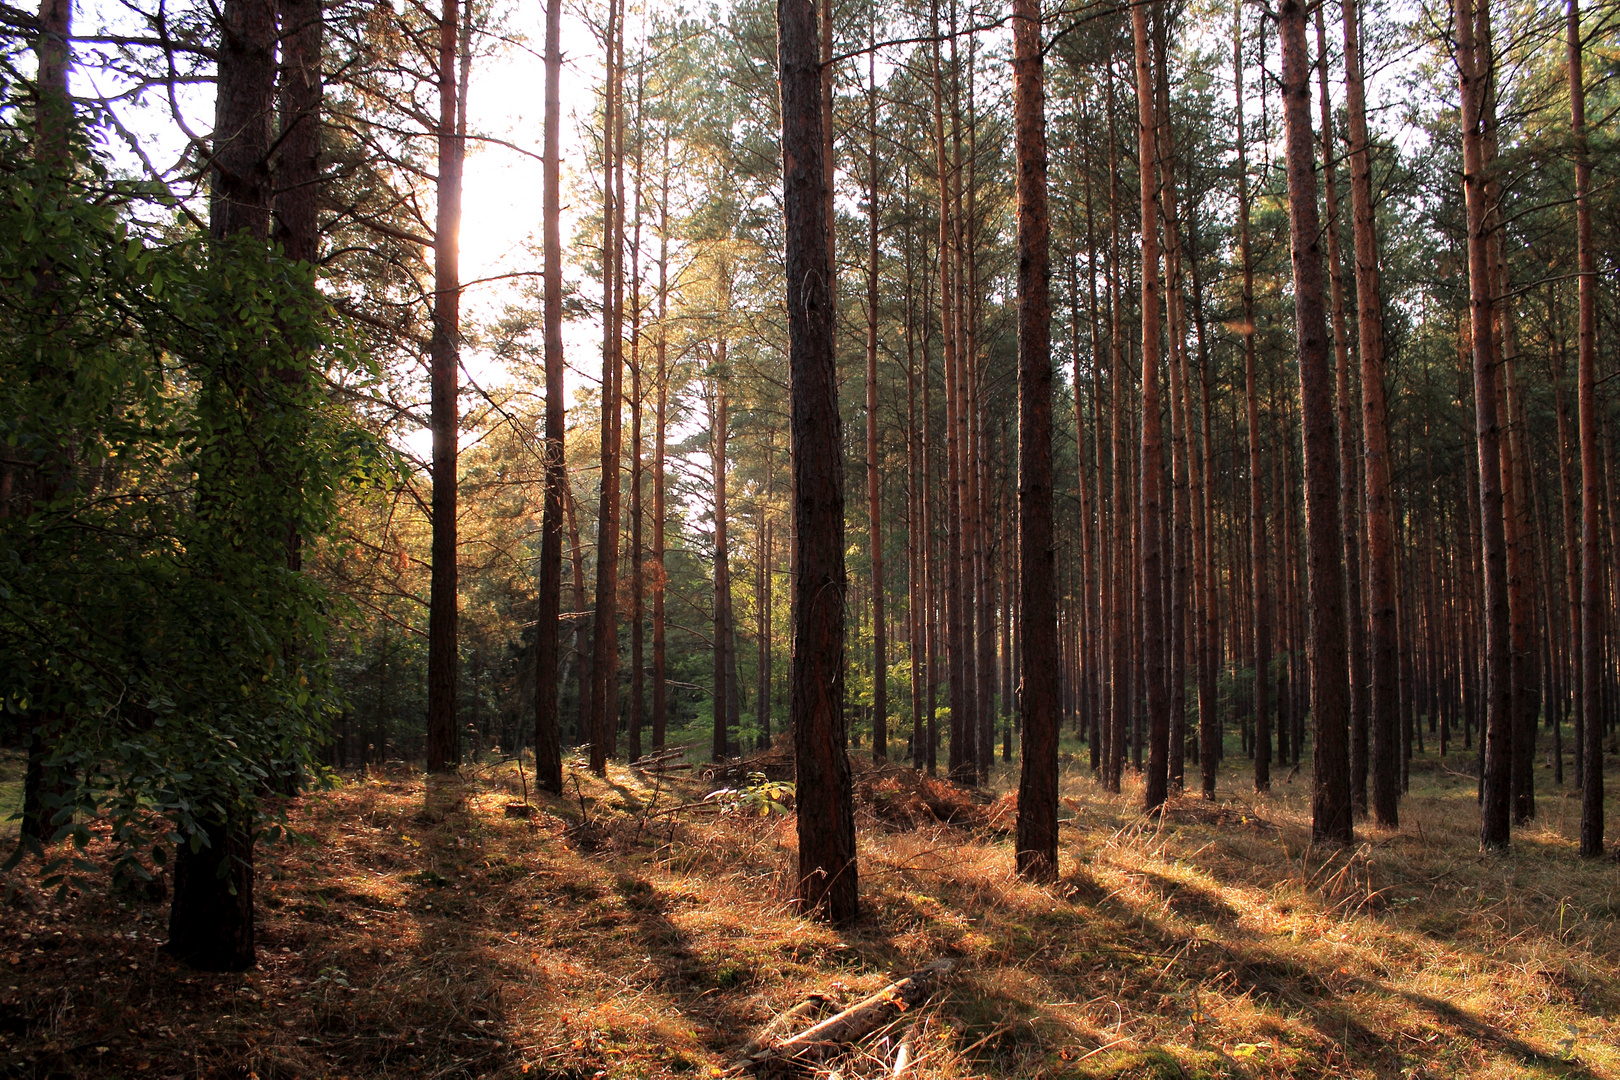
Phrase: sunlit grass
(424, 931)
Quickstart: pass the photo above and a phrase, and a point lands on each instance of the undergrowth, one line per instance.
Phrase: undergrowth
(624, 930)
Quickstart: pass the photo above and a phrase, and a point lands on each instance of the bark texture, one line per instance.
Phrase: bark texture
(826, 823)
(1039, 708)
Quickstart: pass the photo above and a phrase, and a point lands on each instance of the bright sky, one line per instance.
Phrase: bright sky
(506, 101)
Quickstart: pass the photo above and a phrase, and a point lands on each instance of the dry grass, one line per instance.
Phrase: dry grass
(424, 933)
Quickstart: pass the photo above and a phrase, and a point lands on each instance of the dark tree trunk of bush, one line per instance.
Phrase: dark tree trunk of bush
(211, 912)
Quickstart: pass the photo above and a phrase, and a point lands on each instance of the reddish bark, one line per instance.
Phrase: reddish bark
(826, 824)
(1037, 578)
(1329, 674)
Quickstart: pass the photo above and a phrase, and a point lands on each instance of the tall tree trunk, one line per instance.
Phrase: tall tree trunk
(1152, 553)
(297, 164)
(1591, 642)
(53, 54)
(1122, 551)
(443, 736)
(1381, 641)
(762, 608)
(605, 635)
(53, 119)
(1181, 613)
(916, 621)
(956, 644)
(660, 689)
(547, 703)
(1206, 584)
(1329, 672)
(826, 823)
(719, 422)
(1349, 486)
(638, 582)
(874, 483)
(1037, 548)
(1261, 618)
(931, 578)
(1497, 776)
(211, 923)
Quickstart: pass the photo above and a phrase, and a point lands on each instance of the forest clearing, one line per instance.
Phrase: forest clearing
(424, 932)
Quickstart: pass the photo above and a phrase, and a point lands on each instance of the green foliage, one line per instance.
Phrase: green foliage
(759, 797)
(169, 448)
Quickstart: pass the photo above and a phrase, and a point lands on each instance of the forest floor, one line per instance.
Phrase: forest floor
(419, 931)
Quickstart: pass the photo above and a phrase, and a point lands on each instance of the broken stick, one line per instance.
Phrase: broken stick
(859, 1020)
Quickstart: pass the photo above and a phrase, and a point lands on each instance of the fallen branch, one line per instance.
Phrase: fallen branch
(856, 1022)
(804, 1010)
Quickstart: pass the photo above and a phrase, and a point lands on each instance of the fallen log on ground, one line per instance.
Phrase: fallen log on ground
(853, 1024)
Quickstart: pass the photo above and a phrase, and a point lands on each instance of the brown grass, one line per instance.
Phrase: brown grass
(423, 933)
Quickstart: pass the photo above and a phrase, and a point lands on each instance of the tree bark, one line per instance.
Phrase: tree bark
(1151, 547)
(211, 918)
(1261, 615)
(660, 688)
(874, 483)
(1121, 643)
(1592, 613)
(1496, 777)
(1383, 764)
(547, 704)
(1180, 531)
(605, 631)
(1349, 486)
(297, 163)
(443, 736)
(211, 911)
(638, 582)
(719, 422)
(1329, 673)
(826, 824)
(1037, 562)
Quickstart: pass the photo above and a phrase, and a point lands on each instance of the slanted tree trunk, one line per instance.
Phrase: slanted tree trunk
(1329, 673)
(1151, 547)
(1497, 775)
(547, 706)
(443, 736)
(1037, 549)
(826, 822)
(1592, 613)
(1261, 616)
